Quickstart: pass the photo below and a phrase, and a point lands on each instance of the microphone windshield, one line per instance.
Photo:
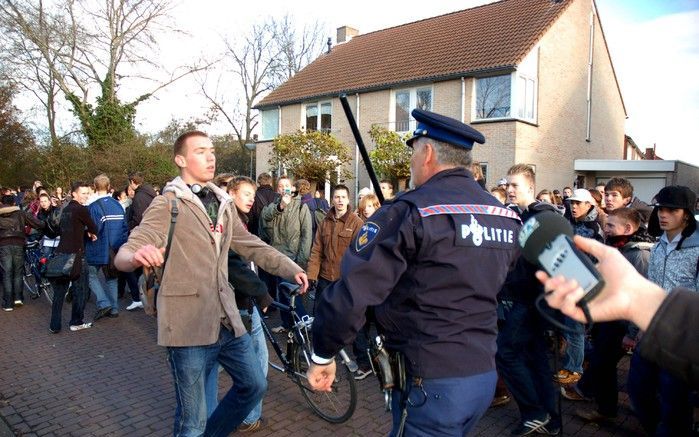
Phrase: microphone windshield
(539, 231)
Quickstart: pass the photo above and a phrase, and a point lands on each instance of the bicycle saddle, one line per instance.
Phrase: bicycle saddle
(288, 287)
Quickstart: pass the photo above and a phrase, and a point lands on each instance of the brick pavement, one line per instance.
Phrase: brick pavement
(113, 380)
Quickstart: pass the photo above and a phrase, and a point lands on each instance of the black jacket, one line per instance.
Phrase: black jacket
(521, 285)
(12, 223)
(673, 335)
(246, 284)
(142, 198)
(75, 220)
(263, 197)
(643, 208)
(430, 263)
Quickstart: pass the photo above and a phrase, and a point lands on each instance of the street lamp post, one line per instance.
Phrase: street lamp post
(251, 147)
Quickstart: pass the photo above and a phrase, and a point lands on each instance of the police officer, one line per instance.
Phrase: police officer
(430, 263)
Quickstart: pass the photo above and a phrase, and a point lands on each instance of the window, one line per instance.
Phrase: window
(313, 110)
(484, 169)
(493, 97)
(526, 101)
(406, 101)
(270, 123)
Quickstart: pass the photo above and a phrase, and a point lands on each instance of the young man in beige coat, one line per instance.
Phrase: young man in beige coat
(198, 320)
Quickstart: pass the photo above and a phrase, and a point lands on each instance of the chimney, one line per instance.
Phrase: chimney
(650, 153)
(346, 33)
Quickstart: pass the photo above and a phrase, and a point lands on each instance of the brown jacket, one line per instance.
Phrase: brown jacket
(195, 297)
(332, 239)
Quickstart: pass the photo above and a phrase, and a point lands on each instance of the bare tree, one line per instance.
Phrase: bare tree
(31, 72)
(83, 48)
(493, 97)
(296, 50)
(267, 56)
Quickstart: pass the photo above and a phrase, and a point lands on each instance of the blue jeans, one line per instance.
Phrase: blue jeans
(79, 290)
(105, 298)
(445, 406)
(575, 346)
(522, 362)
(11, 267)
(190, 367)
(259, 344)
(659, 400)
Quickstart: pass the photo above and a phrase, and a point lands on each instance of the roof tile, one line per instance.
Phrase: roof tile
(488, 37)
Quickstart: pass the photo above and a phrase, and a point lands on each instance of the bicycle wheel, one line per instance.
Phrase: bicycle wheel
(31, 286)
(47, 289)
(335, 406)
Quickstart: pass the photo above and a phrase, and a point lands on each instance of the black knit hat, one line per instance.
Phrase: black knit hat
(678, 197)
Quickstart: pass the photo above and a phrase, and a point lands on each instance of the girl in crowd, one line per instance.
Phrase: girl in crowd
(50, 241)
(367, 206)
(544, 196)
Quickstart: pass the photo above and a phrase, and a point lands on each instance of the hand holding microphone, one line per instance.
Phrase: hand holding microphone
(546, 240)
(626, 294)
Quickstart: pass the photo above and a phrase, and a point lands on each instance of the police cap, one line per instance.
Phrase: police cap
(445, 129)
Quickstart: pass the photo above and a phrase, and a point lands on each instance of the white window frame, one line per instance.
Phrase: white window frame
(319, 105)
(526, 73)
(412, 105)
(474, 114)
(262, 124)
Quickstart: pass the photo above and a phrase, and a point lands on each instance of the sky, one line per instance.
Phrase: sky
(654, 46)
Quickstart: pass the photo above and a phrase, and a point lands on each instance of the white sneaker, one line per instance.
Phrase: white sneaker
(134, 305)
(80, 327)
(19, 303)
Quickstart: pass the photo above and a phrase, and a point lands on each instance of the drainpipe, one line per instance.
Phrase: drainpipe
(589, 74)
(463, 96)
(279, 130)
(356, 154)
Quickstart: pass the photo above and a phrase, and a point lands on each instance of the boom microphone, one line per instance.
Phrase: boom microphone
(546, 239)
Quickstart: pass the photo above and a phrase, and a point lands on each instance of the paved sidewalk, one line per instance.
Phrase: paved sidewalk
(113, 380)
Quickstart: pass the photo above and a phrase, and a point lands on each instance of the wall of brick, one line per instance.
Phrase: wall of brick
(608, 116)
(498, 150)
(687, 175)
(551, 144)
(446, 98)
(560, 137)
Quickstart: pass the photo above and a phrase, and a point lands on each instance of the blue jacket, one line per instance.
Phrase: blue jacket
(678, 267)
(112, 229)
(430, 263)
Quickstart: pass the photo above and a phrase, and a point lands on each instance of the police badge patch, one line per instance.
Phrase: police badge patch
(366, 235)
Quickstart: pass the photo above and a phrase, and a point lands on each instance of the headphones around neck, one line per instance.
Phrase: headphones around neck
(200, 191)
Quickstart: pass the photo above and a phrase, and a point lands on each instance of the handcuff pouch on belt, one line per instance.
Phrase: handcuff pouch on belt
(389, 367)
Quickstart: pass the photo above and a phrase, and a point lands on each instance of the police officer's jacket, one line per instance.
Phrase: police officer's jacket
(431, 262)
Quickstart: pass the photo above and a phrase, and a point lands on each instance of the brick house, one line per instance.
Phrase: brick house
(535, 76)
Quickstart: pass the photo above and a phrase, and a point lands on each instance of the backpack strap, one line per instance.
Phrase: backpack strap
(174, 211)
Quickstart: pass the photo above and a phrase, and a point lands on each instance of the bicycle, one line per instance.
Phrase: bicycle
(34, 282)
(336, 406)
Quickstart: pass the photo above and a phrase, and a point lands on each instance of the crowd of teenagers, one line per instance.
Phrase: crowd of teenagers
(93, 220)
